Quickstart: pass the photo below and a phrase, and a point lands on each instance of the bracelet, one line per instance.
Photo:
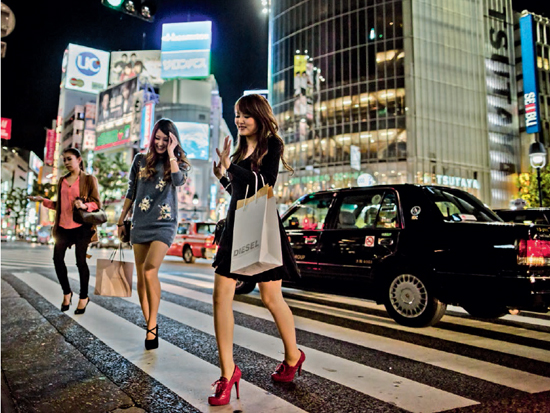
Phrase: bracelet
(173, 159)
(119, 225)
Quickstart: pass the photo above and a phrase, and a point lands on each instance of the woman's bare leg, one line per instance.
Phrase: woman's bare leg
(272, 297)
(224, 322)
(140, 253)
(153, 260)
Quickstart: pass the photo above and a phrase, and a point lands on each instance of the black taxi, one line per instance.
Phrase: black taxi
(417, 248)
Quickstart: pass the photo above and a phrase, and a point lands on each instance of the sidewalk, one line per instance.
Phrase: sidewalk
(42, 372)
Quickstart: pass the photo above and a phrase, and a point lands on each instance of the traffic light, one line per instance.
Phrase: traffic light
(142, 9)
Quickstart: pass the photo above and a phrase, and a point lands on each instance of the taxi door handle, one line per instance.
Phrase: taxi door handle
(310, 240)
(385, 241)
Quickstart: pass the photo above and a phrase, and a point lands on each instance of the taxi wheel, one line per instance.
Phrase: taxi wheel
(187, 255)
(410, 302)
(244, 287)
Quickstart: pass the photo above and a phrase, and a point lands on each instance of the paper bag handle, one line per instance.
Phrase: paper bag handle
(256, 183)
(121, 253)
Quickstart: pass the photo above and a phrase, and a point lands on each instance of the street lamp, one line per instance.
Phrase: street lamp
(537, 158)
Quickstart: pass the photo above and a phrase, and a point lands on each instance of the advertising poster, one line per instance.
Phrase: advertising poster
(147, 123)
(194, 139)
(115, 115)
(185, 50)
(142, 63)
(49, 154)
(85, 69)
(530, 76)
(6, 128)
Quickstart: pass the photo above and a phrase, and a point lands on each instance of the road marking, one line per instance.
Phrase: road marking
(494, 373)
(165, 365)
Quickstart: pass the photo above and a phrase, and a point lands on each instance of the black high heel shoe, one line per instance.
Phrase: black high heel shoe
(82, 310)
(65, 307)
(153, 343)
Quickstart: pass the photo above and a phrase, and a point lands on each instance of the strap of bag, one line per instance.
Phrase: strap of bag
(256, 186)
(121, 254)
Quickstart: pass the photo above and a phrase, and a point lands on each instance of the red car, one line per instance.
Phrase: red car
(194, 240)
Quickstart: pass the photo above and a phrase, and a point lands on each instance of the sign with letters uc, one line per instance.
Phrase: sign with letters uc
(530, 79)
(85, 69)
(185, 50)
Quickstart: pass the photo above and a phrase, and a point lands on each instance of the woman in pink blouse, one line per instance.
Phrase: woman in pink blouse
(79, 190)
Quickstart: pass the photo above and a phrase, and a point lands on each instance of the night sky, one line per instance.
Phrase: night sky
(31, 70)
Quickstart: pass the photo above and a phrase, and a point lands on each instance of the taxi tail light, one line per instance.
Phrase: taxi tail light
(534, 252)
(210, 242)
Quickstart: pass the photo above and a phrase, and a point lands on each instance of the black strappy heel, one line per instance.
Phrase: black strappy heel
(153, 343)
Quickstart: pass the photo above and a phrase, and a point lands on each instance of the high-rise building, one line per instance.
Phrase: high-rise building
(386, 92)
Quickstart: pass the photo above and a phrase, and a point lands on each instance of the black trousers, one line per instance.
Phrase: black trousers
(65, 238)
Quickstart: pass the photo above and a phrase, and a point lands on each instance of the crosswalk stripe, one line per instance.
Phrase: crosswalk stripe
(476, 368)
(409, 395)
(166, 366)
(329, 366)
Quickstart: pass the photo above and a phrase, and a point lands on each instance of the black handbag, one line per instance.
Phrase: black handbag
(97, 217)
(127, 228)
(220, 227)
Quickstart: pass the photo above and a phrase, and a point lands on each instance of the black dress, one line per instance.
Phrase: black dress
(241, 175)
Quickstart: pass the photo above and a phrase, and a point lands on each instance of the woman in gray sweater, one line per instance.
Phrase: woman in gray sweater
(152, 192)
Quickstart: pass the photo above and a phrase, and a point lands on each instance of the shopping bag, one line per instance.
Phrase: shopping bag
(114, 277)
(256, 237)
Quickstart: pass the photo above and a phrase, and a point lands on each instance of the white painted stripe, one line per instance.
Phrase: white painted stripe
(494, 373)
(183, 373)
(434, 332)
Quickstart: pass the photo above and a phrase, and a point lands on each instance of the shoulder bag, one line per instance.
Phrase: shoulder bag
(82, 216)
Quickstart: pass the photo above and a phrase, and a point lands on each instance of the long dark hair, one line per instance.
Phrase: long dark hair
(76, 153)
(166, 126)
(257, 107)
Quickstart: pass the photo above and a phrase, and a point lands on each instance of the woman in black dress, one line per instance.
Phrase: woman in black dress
(259, 149)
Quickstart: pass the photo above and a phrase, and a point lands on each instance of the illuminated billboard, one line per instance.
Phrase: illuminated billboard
(142, 63)
(185, 50)
(115, 115)
(85, 69)
(194, 139)
(530, 83)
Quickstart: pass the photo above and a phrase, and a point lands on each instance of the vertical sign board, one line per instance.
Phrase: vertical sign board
(530, 80)
(51, 137)
(6, 128)
(147, 119)
(185, 50)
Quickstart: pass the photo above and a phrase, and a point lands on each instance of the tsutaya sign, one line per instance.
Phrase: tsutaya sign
(455, 181)
(530, 77)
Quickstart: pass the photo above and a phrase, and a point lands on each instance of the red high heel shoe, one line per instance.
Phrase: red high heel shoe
(222, 394)
(286, 373)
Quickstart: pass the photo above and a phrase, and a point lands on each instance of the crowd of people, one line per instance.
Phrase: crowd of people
(151, 206)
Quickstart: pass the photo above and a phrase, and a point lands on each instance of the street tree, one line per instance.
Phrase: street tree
(112, 175)
(528, 186)
(15, 202)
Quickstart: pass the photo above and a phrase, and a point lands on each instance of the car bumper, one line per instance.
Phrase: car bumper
(208, 253)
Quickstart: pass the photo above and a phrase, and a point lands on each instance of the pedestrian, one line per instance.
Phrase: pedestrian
(76, 189)
(154, 177)
(259, 149)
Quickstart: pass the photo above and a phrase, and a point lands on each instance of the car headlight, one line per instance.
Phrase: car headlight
(104, 240)
(117, 241)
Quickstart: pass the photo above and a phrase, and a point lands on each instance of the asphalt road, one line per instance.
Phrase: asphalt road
(357, 358)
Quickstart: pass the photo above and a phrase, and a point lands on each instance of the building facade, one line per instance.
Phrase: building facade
(386, 92)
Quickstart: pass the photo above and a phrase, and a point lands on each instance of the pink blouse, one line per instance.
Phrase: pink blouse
(68, 195)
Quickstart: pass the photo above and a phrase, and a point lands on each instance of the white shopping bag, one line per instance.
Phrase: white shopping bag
(114, 277)
(256, 237)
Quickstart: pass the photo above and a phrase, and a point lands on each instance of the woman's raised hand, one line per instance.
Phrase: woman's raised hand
(36, 198)
(172, 144)
(225, 162)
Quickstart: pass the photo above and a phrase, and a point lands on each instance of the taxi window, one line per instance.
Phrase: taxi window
(183, 229)
(206, 229)
(359, 210)
(309, 214)
(460, 206)
(387, 218)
